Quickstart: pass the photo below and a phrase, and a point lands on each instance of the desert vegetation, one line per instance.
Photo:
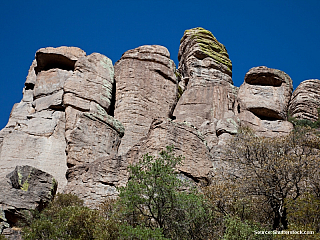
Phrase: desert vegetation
(264, 184)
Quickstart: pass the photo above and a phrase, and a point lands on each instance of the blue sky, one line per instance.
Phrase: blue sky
(278, 34)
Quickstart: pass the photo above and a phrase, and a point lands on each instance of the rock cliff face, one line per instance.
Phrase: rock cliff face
(146, 88)
(62, 120)
(84, 121)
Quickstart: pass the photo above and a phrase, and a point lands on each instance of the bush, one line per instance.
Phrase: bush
(67, 218)
(242, 230)
(153, 199)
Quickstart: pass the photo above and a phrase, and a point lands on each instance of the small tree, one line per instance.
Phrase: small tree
(275, 168)
(153, 199)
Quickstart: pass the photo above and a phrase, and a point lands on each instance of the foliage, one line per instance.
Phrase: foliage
(241, 230)
(153, 199)
(274, 168)
(67, 218)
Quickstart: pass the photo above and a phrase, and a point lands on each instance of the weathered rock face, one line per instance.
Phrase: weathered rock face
(263, 101)
(187, 141)
(146, 87)
(90, 132)
(64, 124)
(305, 100)
(35, 133)
(26, 188)
(96, 181)
(209, 96)
(63, 118)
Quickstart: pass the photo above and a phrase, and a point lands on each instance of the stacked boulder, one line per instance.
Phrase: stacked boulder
(146, 88)
(208, 99)
(263, 101)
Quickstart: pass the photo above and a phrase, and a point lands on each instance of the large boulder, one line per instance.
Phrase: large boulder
(146, 87)
(209, 96)
(305, 100)
(26, 188)
(263, 101)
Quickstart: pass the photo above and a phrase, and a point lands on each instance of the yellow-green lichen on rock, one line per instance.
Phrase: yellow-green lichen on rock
(209, 45)
(23, 185)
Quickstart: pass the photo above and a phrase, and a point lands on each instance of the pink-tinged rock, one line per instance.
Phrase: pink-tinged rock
(96, 181)
(92, 137)
(60, 57)
(35, 133)
(187, 141)
(208, 96)
(305, 100)
(266, 93)
(50, 81)
(38, 142)
(263, 101)
(146, 87)
(92, 81)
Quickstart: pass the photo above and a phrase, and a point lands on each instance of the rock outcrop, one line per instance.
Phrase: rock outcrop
(263, 101)
(146, 88)
(35, 133)
(26, 188)
(208, 98)
(187, 142)
(96, 181)
(62, 120)
(84, 121)
(305, 100)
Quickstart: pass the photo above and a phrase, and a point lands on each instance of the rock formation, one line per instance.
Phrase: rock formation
(23, 189)
(187, 141)
(305, 100)
(84, 121)
(62, 120)
(35, 133)
(263, 101)
(146, 88)
(208, 97)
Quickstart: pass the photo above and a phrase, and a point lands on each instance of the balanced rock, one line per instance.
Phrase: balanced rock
(26, 188)
(209, 96)
(263, 101)
(146, 88)
(305, 100)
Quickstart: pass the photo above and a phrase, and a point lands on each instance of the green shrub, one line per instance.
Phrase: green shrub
(153, 199)
(67, 218)
(242, 230)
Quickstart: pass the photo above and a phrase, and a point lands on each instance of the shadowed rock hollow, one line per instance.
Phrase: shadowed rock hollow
(83, 120)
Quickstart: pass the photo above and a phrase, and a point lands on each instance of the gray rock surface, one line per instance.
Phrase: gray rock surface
(63, 116)
(305, 100)
(26, 188)
(94, 182)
